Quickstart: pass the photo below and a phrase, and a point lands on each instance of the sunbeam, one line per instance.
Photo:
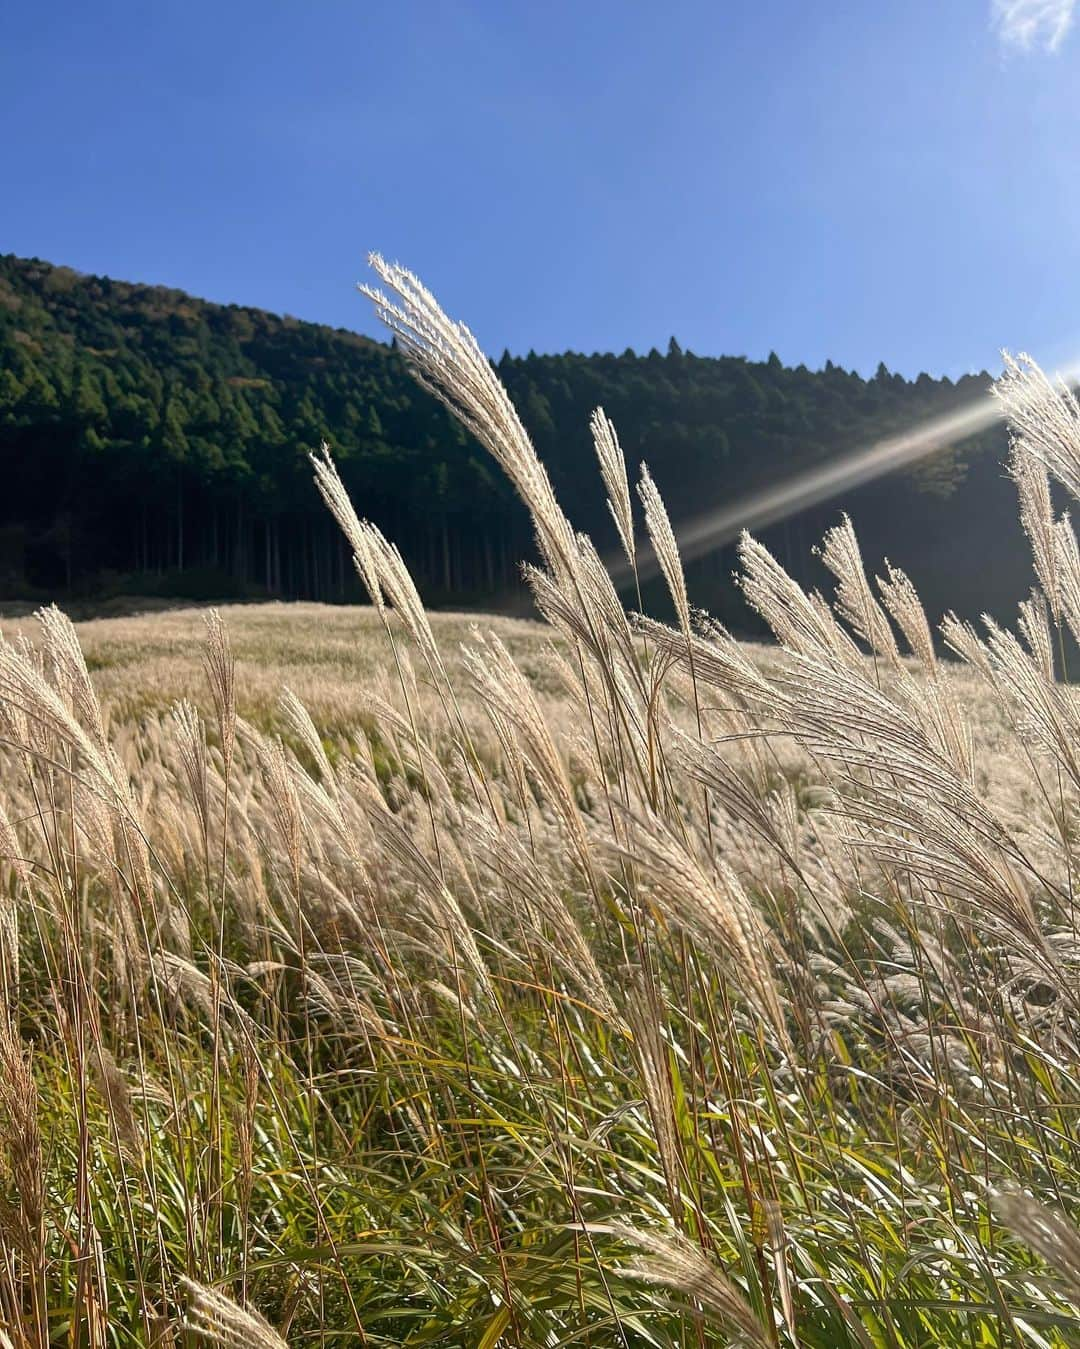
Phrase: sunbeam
(712, 529)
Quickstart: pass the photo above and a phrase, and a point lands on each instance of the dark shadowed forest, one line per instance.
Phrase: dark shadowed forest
(155, 444)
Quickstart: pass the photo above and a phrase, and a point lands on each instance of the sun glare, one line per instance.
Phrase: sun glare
(712, 529)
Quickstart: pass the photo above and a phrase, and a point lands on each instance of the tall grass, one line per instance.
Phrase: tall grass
(655, 992)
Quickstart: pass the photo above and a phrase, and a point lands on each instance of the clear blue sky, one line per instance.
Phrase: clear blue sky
(892, 180)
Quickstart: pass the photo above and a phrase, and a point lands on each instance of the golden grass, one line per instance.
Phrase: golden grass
(371, 976)
(327, 654)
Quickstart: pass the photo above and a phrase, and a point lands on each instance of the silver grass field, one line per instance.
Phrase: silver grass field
(378, 978)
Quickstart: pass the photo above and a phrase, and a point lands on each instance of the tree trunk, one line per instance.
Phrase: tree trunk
(179, 522)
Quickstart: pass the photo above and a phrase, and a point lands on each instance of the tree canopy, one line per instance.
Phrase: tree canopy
(150, 441)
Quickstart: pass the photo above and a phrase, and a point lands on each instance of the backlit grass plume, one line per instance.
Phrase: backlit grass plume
(593, 981)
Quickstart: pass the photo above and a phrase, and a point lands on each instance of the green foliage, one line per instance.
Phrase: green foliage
(144, 433)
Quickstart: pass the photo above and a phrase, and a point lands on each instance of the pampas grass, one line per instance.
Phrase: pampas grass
(421, 979)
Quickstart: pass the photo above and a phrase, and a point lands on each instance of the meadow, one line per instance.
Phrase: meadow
(384, 978)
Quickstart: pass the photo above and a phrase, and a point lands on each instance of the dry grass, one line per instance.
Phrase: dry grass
(328, 655)
(390, 978)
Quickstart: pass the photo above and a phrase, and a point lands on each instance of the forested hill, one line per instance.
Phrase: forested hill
(151, 442)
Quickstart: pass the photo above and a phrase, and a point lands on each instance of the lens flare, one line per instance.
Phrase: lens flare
(704, 533)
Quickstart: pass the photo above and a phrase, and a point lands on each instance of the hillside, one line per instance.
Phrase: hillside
(151, 442)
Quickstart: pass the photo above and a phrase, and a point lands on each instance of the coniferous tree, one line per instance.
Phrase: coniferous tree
(149, 440)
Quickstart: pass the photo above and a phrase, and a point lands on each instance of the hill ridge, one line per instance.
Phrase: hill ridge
(155, 441)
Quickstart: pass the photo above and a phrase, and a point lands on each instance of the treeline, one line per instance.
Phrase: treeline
(155, 443)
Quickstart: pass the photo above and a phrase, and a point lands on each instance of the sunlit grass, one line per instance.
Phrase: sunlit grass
(369, 978)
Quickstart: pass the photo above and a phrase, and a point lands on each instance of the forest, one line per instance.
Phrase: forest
(152, 443)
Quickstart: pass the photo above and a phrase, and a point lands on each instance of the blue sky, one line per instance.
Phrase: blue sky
(892, 180)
